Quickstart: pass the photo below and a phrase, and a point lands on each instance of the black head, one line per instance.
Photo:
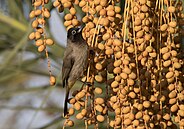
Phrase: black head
(75, 34)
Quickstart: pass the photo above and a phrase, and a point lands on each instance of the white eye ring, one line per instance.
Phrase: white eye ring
(73, 32)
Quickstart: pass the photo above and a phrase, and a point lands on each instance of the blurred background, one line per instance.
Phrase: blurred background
(26, 99)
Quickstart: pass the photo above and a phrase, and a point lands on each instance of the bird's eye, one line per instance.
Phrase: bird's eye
(73, 32)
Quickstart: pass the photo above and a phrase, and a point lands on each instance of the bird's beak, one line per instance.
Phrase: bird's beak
(80, 28)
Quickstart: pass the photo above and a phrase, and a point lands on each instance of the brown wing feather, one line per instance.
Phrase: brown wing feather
(67, 66)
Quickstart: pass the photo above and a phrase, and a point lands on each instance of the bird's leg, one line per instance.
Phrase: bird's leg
(86, 83)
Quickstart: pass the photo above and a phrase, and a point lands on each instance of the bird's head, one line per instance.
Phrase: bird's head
(75, 34)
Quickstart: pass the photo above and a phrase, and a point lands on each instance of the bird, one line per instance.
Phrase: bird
(74, 60)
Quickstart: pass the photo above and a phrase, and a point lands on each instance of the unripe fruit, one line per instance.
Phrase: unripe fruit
(139, 34)
(117, 63)
(98, 90)
(37, 3)
(109, 51)
(118, 55)
(166, 116)
(142, 1)
(127, 70)
(35, 23)
(79, 116)
(137, 21)
(37, 35)
(169, 75)
(100, 118)
(117, 9)
(39, 42)
(181, 113)
(68, 17)
(172, 24)
(72, 101)
(81, 94)
(82, 3)
(99, 78)
(117, 42)
(114, 84)
(164, 27)
(106, 36)
(77, 106)
(103, 2)
(164, 50)
(112, 123)
(172, 101)
(70, 123)
(85, 19)
(49, 42)
(171, 9)
(102, 12)
(126, 110)
(147, 37)
(71, 111)
(72, 10)
(117, 111)
(56, 3)
(144, 8)
(132, 95)
(138, 115)
(127, 122)
(41, 48)
(52, 80)
(98, 66)
(167, 63)
(99, 100)
(136, 122)
(137, 28)
(75, 22)
(99, 108)
(32, 14)
(32, 36)
(132, 75)
(146, 104)
(174, 108)
(172, 94)
(84, 112)
(139, 106)
(118, 121)
(46, 14)
(67, 4)
(146, 118)
(96, 2)
(101, 46)
(113, 99)
(130, 49)
(40, 30)
(166, 56)
(135, 9)
(177, 65)
(110, 13)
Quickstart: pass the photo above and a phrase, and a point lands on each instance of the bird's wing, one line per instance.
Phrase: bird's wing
(67, 66)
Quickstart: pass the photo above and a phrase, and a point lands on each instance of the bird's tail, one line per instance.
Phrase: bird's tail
(66, 100)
